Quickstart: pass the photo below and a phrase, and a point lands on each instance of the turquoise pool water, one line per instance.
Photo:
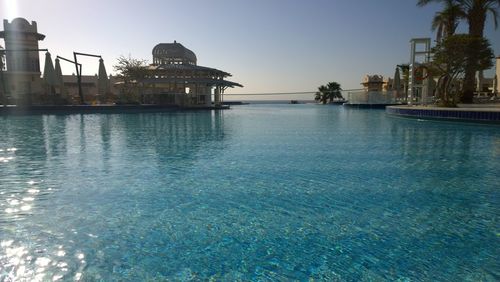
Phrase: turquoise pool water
(258, 192)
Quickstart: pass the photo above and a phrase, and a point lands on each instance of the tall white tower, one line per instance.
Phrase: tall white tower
(418, 86)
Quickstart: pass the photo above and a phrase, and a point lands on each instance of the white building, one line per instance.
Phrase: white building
(175, 78)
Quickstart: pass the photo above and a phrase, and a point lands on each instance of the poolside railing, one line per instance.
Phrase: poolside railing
(374, 97)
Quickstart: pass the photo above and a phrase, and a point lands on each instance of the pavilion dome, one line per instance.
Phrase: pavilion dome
(173, 53)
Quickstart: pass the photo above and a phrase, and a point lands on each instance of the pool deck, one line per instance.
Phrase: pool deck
(97, 109)
(483, 113)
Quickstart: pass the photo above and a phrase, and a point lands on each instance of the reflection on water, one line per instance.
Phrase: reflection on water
(56, 156)
(281, 192)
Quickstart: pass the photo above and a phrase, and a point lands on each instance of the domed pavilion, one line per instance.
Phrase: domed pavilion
(175, 78)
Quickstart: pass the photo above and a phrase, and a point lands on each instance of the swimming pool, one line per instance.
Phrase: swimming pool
(258, 192)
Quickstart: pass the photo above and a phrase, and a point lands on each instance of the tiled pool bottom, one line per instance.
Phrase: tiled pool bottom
(264, 193)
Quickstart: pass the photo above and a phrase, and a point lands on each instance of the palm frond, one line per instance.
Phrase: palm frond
(494, 14)
(422, 3)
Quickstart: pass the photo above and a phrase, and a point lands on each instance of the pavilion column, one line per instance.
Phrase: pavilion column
(217, 95)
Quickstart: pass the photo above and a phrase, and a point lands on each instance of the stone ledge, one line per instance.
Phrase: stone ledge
(484, 114)
(98, 109)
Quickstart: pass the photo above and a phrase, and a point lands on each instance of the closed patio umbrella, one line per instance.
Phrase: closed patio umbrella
(48, 71)
(396, 84)
(58, 76)
(103, 82)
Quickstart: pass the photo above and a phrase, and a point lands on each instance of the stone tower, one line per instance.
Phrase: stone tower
(22, 58)
(21, 35)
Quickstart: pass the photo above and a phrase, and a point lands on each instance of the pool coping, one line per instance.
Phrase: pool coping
(369, 106)
(465, 113)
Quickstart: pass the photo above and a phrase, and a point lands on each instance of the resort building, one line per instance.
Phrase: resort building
(20, 78)
(175, 78)
(387, 84)
(21, 82)
(90, 88)
(378, 82)
(377, 90)
(373, 82)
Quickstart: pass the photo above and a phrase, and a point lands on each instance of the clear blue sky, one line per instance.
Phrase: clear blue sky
(268, 45)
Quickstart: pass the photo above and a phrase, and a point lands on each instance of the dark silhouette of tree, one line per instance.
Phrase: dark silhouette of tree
(445, 22)
(452, 56)
(329, 93)
(321, 95)
(475, 12)
(131, 71)
(334, 90)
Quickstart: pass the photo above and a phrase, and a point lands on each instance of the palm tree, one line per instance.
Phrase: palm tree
(328, 92)
(334, 91)
(475, 12)
(446, 22)
(322, 94)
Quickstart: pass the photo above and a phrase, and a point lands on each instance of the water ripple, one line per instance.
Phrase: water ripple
(258, 193)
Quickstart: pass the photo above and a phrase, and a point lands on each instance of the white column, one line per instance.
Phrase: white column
(497, 90)
(411, 77)
(217, 94)
(426, 85)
